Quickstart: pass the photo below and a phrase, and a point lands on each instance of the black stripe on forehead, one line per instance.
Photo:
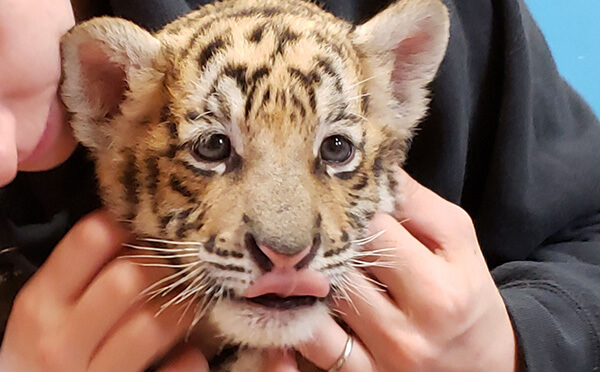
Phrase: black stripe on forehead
(308, 81)
(325, 64)
(299, 105)
(255, 79)
(365, 101)
(334, 46)
(339, 113)
(258, 74)
(200, 31)
(221, 12)
(237, 73)
(209, 51)
(202, 28)
(284, 37)
(257, 33)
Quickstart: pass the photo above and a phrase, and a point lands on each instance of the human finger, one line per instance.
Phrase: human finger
(398, 260)
(277, 360)
(328, 345)
(186, 358)
(115, 289)
(78, 258)
(371, 314)
(141, 338)
(436, 222)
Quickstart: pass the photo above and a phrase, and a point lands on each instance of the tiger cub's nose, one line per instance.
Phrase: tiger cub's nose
(268, 258)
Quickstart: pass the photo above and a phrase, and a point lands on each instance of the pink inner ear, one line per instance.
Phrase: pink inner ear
(104, 81)
(411, 54)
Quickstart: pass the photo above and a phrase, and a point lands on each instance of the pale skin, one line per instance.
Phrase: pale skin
(441, 312)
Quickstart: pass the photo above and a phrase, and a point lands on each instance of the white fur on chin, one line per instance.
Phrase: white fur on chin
(261, 327)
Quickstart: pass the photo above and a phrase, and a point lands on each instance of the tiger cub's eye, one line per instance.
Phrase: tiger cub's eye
(211, 148)
(336, 149)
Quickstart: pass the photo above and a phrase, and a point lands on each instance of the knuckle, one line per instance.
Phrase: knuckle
(152, 329)
(408, 188)
(96, 231)
(27, 305)
(53, 354)
(414, 353)
(455, 304)
(462, 219)
(392, 336)
(124, 279)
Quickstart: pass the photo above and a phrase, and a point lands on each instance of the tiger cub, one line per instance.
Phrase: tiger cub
(254, 139)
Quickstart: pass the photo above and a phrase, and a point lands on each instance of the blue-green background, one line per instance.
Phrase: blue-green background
(572, 29)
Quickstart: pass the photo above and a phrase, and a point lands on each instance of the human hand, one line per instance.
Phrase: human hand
(34, 134)
(441, 311)
(82, 311)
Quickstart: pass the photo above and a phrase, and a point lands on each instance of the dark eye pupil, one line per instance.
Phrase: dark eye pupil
(213, 148)
(336, 149)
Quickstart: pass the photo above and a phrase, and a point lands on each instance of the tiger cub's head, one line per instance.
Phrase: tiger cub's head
(251, 142)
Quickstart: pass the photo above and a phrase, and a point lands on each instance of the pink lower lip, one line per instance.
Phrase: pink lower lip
(49, 134)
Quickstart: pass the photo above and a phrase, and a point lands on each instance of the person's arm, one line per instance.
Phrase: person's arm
(554, 300)
(518, 149)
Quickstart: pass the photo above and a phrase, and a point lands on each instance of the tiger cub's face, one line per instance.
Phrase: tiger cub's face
(252, 141)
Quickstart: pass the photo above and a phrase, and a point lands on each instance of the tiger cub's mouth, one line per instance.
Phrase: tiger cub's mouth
(274, 301)
(283, 289)
(285, 284)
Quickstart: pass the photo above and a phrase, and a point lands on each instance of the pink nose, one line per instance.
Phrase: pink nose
(287, 262)
(269, 258)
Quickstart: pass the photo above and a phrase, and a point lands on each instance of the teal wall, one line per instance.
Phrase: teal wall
(572, 29)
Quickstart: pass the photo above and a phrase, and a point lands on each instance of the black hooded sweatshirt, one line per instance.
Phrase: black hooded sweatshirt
(506, 138)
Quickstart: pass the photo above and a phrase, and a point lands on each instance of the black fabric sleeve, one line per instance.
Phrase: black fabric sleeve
(529, 176)
(547, 175)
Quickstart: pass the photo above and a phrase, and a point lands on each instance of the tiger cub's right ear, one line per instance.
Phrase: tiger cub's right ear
(103, 59)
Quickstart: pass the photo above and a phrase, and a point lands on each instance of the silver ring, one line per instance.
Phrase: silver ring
(342, 359)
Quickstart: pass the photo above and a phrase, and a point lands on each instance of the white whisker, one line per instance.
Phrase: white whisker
(377, 252)
(199, 116)
(356, 289)
(153, 292)
(187, 308)
(358, 116)
(365, 80)
(341, 286)
(154, 256)
(170, 266)
(376, 263)
(153, 249)
(173, 242)
(174, 300)
(360, 96)
(368, 239)
(370, 280)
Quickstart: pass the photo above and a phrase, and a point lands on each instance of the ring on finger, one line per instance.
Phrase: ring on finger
(345, 354)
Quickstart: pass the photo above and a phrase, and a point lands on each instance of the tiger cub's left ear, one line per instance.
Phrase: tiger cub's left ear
(406, 44)
(104, 59)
